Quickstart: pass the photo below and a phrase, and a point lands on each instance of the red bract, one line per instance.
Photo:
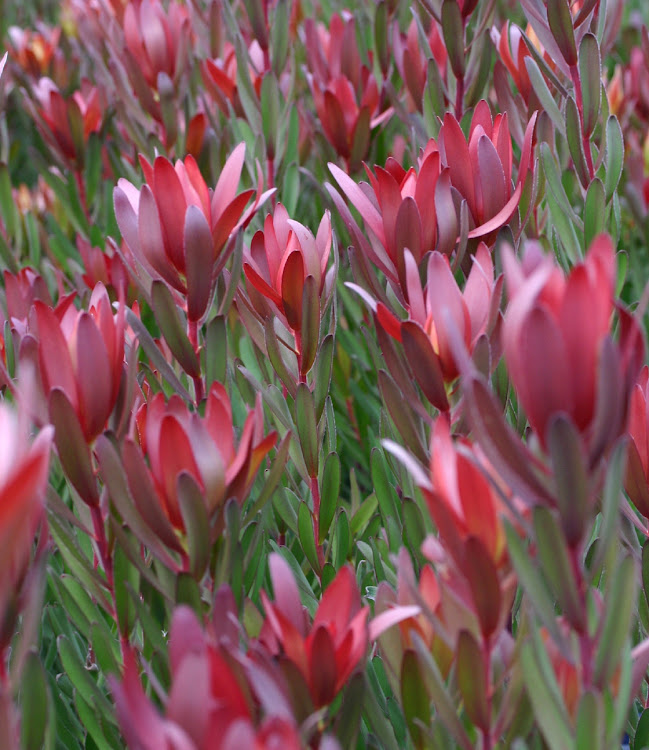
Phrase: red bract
(178, 229)
(21, 291)
(69, 121)
(327, 652)
(412, 61)
(461, 500)
(281, 259)
(206, 698)
(82, 354)
(345, 92)
(481, 169)
(401, 212)
(513, 51)
(636, 482)
(439, 312)
(566, 322)
(158, 39)
(24, 468)
(38, 53)
(179, 443)
(220, 76)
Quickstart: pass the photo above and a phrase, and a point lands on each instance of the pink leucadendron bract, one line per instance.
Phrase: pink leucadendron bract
(558, 345)
(178, 229)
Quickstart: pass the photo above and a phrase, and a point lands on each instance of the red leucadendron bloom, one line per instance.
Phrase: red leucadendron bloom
(179, 442)
(68, 122)
(81, 353)
(278, 264)
(558, 346)
(327, 651)
(178, 229)
(438, 312)
(157, 39)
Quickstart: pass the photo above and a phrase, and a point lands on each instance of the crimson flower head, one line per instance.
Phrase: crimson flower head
(345, 92)
(412, 61)
(158, 39)
(481, 168)
(281, 258)
(22, 290)
(180, 442)
(178, 229)
(38, 52)
(461, 500)
(206, 698)
(220, 76)
(558, 347)
(68, 122)
(513, 51)
(327, 651)
(81, 353)
(400, 211)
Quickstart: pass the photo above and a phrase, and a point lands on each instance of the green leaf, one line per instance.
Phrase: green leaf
(322, 373)
(384, 491)
(555, 562)
(305, 534)
(197, 525)
(546, 99)
(124, 572)
(414, 698)
(363, 515)
(74, 666)
(329, 494)
(453, 34)
(614, 156)
(618, 613)
(545, 696)
(341, 540)
(172, 327)
(310, 324)
(641, 736)
(188, 592)
(307, 428)
(275, 351)
(590, 75)
(155, 355)
(570, 476)
(531, 580)
(594, 212)
(575, 143)
(35, 705)
(270, 108)
(472, 680)
(445, 706)
(560, 23)
(591, 729)
(279, 40)
(216, 351)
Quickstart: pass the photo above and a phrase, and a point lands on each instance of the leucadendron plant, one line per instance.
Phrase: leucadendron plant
(322, 353)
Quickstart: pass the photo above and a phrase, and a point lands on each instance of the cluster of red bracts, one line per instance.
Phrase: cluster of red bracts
(259, 694)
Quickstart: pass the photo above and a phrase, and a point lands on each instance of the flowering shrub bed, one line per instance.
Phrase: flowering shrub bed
(325, 389)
